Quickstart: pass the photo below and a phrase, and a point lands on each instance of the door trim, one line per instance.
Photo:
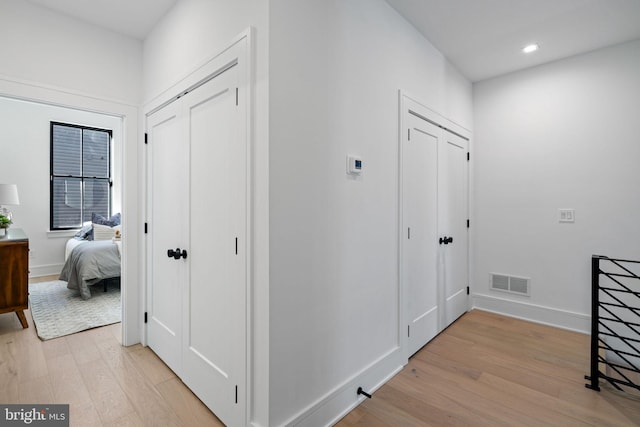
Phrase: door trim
(238, 53)
(129, 115)
(412, 105)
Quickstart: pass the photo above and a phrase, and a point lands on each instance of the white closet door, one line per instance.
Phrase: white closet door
(453, 215)
(214, 314)
(168, 161)
(420, 240)
(434, 234)
(198, 202)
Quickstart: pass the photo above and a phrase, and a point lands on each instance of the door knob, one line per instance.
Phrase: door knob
(446, 240)
(177, 254)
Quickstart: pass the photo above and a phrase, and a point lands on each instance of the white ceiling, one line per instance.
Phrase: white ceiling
(483, 38)
(134, 18)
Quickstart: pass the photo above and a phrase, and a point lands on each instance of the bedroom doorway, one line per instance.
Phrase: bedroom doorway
(48, 249)
(59, 147)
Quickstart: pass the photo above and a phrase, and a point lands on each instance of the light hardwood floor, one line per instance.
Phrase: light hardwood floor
(104, 383)
(490, 370)
(484, 370)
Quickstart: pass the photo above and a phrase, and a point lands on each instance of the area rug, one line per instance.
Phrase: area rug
(58, 311)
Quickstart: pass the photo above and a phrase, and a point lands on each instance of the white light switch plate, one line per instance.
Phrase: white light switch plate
(566, 215)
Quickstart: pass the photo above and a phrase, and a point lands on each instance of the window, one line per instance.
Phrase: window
(80, 174)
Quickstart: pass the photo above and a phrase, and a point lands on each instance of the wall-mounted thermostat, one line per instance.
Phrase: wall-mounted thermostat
(354, 165)
(566, 215)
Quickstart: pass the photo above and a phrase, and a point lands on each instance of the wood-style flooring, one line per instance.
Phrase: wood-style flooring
(484, 370)
(104, 383)
(491, 370)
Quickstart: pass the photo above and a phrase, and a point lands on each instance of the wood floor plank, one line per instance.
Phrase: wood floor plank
(83, 347)
(30, 361)
(107, 396)
(148, 403)
(66, 381)
(9, 392)
(84, 415)
(37, 390)
(386, 414)
(190, 410)
(55, 347)
(130, 420)
(151, 365)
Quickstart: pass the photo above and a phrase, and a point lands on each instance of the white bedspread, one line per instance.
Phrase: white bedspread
(72, 243)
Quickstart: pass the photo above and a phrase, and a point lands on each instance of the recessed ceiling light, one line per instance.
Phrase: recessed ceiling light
(530, 48)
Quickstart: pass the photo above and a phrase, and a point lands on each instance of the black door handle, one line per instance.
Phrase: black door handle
(446, 240)
(177, 254)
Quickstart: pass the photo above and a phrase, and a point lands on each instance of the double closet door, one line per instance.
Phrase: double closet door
(434, 267)
(196, 291)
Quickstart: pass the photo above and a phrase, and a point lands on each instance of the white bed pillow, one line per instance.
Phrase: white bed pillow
(103, 232)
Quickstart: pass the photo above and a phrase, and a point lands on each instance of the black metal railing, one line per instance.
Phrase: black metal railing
(615, 323)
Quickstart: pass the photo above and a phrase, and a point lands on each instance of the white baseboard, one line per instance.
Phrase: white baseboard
(577, 322)
(343, 399)
(45, 270)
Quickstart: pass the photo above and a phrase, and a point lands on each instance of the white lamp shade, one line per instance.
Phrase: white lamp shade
(9, 194)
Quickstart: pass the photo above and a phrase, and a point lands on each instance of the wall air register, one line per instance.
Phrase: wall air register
(510, 284)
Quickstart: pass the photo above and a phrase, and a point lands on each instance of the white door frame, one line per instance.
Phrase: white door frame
(129, 154)
(409, 103)
(239, 52)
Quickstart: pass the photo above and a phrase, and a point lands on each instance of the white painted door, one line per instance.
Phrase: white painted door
(420, 248)
(453, 215)
(214, 321)
(168, 202)
(198, 203)
(434, 239)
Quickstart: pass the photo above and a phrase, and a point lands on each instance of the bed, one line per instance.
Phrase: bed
(88, 261)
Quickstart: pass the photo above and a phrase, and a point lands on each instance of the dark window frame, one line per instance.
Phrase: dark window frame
(81, 177)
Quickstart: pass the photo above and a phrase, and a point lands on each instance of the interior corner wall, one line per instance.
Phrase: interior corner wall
(561, 135)
(192, 32)
(335, 71)
(45, 47)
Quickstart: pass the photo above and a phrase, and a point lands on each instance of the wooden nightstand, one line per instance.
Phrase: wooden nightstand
(14, 273)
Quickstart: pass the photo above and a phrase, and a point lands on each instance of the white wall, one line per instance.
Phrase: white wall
(43, 46)
(562, 135)
(192, 32)
(25, 161)
(335, 71)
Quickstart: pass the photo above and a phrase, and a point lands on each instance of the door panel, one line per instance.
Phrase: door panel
(453, 215)
(168, 160)
(214, 358)
(420, 179)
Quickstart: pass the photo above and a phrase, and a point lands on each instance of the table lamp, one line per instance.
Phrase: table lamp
(8, 196)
